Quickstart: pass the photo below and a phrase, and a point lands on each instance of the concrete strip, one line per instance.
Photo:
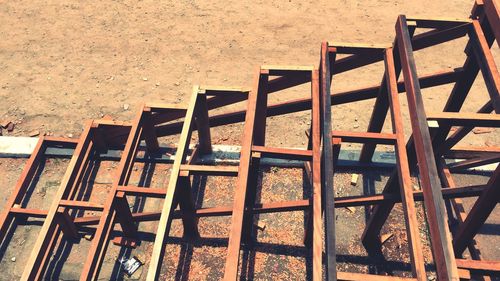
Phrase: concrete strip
(22, 147)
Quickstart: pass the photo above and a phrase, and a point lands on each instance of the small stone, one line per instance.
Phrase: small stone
(13, 259)
(70, 136)
(354, 179)
(10, 127)
(177, 83)
(355, 126)
(144, 78)
(34, 133)
(261, 225)
(88, 237)
(126, 106)
(157, 84)
(385, 237)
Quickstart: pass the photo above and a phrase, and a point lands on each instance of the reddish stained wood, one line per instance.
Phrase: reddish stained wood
(436, 214)
(465, 119)
(46, 234)
(492, 9)
(283, 153)
(329, 158)
(83, 205)
(109, 212)
(233, 251)
(435, 79)
(317, 242)
(350, 276)
(406, 186)
(365, 137)
(217, 170)
(491, 266)
(21, 186)
(486, 62)
(168, 204)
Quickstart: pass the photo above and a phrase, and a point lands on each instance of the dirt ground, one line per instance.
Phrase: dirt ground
(65, 62)
(77, 60)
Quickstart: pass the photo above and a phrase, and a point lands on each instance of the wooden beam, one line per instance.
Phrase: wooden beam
(436, 214)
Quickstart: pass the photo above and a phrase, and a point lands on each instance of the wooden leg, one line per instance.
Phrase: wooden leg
(202, 125)
(66, 222)
(124, 216)
(187, 207)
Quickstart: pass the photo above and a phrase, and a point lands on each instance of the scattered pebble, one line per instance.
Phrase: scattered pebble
(157, 84)
(34, 133)
(4, 123)
(13, 259)
(126, 106)
(479, 131)
(351, 209)
(70, 136)
(261, 225)
(10, 127)
(385, 237)
(354, 179)
(177, 83)
(145, 78)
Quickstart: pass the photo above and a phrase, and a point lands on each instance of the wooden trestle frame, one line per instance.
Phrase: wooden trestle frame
(451, 229)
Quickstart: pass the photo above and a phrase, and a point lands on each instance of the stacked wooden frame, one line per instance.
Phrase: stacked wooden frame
(428, 148)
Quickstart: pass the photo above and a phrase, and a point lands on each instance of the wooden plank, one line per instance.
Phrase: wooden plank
(492, 10)
(317, 243)
(209, 170)
(381, 106)
(28, 212)
(350, 276)
(436, 79)
(406, 186)
(485, 267)
(325, 102)
(365, 137)
(233, 251)
(465, 119)
(45, 232)
(473, 163)
(283, 153)
(439, 23)
(436, 214)
(202, 125)
(21, 187)
(106, 221)
(82, 205)
(164, 223)
(143, 191)
(486, 62)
